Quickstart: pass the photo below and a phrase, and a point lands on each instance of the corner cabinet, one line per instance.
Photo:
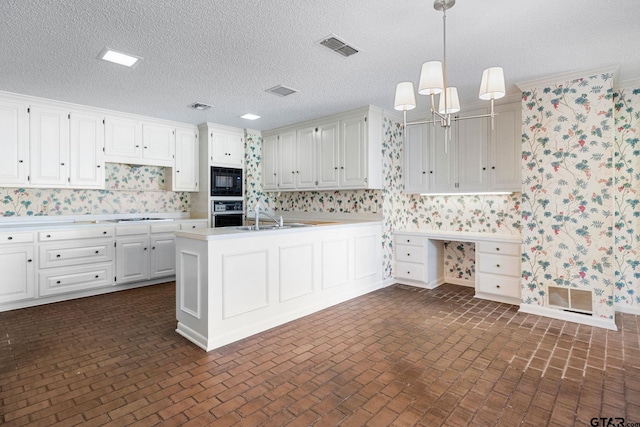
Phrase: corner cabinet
(340, 152)
(476, 158)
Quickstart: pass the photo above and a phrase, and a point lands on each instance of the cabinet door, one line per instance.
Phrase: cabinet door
(506, 148)
(186, 170)
(132, 259)
(17, 266)
(305, 159)
(158, 144)
(287, 160)
(328, 149)
(14, 143)
(270, 163)
(441, 160)
(472, 139)
(416, 166)
(163, 256)
(49, 146)
(227, 148)
(123, 140)
(86, 155)
(353, 167)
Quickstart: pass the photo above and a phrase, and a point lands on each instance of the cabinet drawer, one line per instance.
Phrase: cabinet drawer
(410, 271)
(499, 264)
(131, 230)
(20, 237)
(73, 279)
(500, 248)
(77, 233)
(75, 253)
(499, 285)
(193, 225)
(163, 228)
(409, 253)
(408, 240)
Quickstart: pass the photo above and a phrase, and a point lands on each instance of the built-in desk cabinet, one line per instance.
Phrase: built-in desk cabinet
(419, 261)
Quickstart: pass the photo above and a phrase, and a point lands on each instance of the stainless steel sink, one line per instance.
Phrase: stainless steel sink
(262, 227)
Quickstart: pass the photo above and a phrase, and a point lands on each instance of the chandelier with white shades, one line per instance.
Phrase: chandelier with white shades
(433, 81)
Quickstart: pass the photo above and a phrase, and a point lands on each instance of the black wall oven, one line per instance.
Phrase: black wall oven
(226, 182)
(227, 213)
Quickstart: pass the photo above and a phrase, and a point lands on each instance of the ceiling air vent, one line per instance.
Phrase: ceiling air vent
(338, 46)
(281, 90)
(199, 106)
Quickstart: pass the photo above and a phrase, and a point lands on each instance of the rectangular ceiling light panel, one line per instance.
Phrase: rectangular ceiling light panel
(119, 57)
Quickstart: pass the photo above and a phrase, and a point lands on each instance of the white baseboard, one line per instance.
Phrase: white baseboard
(570, 317)
(626, 309)
(460, 282)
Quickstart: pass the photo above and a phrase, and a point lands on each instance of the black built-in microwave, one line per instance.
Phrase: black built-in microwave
(226, 182)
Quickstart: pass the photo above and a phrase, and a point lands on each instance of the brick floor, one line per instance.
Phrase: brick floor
(399, 356)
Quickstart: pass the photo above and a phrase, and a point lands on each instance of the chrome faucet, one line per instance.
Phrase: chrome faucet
(279, 221)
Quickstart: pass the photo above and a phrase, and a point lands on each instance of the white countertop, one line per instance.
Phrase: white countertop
(36, 222)
(462, 236)
(234, 232)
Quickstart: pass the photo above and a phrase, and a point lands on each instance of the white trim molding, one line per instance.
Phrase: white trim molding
(566, 77)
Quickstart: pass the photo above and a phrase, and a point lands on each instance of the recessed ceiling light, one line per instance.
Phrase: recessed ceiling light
(249, 116)
(118, 57)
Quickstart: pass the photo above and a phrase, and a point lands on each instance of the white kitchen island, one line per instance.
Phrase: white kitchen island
(232, 283)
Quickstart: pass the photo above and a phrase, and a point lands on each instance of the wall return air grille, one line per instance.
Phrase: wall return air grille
(569, 299)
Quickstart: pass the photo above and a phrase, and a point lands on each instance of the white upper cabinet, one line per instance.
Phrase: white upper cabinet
(14, 142)
(184, 176)
(158, 144)
(86, 150)
(226, 146)
(477, 158)
(287, 160)
(328, 149)
(472, 143)
(269, 160)
(49, 146)
(505, 158)
(123, 140)
(416, 159)
(337, 152)
(131, 141)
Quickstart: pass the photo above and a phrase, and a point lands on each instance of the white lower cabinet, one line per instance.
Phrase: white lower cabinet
(145, 252)
(17, 264)
(74, 259)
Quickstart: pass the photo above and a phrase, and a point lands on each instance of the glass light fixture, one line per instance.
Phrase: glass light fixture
(433, 81)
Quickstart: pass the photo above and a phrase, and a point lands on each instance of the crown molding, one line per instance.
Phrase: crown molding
(629, 84)
(567, 77)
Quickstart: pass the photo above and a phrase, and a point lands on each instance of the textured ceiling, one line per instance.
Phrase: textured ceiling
(226, 53)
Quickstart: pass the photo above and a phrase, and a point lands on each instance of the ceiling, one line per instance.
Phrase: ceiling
(227, 53)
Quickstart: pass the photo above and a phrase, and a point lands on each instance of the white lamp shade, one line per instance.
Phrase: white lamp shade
(405, 97)
(492, 85)
(431, 78)
(453, 103)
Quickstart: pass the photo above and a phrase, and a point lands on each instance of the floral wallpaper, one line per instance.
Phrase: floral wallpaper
(129, 189)
(567, 204)
(626, 230)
